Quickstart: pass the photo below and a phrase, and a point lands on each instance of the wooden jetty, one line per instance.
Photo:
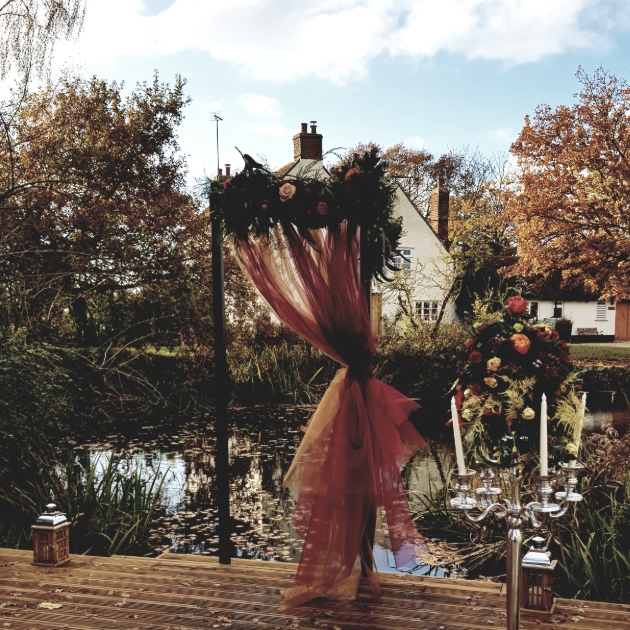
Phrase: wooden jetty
(182, 592)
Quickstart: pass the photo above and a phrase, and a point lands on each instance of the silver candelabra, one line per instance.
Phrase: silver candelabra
(487, 499)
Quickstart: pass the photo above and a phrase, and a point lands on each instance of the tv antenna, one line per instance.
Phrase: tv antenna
(217, 118)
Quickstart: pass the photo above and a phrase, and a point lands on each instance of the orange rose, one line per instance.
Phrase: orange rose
(521, 343)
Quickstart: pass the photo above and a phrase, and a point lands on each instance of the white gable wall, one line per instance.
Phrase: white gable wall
(582, 314)
(431, 265)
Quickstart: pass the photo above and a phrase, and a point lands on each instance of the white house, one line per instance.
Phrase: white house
(593, 319)
(427, 278)
(425, 258)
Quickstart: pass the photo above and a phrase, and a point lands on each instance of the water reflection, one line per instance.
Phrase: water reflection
(262, 443)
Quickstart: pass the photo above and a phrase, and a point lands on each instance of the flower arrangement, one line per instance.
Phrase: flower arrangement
(509, 365)
(357, 191)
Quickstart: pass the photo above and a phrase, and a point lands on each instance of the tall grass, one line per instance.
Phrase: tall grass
(593, 546)
(111, 506)
(291, 371)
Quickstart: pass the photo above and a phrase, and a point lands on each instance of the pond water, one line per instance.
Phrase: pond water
(262, 443)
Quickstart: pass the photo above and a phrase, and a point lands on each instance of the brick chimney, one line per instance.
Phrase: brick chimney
(220, 177)
(308, 146)
(438, 212)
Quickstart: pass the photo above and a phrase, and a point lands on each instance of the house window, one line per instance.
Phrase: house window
(557, 310)
(403, 260)
(532, 309)
(600, 310)
(428, 311)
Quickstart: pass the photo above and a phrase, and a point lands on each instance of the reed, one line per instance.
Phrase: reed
(593, 547)
(288, 372)
(111, 505)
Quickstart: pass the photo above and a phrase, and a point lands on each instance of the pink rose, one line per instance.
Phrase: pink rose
(322, 208)
(286, 191)
(493, 364)
(490, 382)
(516, 305)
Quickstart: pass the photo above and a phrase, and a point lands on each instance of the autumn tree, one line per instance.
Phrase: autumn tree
(95, 216)
(572, 213)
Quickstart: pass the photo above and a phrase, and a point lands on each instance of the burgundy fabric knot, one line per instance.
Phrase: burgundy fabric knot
(361, 372)
(357, 351)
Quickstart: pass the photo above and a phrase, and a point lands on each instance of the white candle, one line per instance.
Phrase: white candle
(459, 451)
(578, 437)
(544, 457)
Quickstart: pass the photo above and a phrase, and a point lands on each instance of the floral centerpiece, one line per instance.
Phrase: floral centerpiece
(358, 190)
(509, 365)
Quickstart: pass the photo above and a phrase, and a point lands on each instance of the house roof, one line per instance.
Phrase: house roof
(302, 166)
(552, 289)
(283, 170)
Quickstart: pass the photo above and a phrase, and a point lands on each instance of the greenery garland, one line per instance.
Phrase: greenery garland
(509, 365)
(358, 191)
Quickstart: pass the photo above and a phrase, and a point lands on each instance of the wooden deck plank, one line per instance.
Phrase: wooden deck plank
(177, 592)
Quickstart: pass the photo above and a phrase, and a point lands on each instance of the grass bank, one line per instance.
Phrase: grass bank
(585, 355)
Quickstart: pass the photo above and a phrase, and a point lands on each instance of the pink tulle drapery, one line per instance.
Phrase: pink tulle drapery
(347, 468)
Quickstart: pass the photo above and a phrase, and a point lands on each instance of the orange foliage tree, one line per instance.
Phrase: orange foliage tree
(95, 216)
(572, 210)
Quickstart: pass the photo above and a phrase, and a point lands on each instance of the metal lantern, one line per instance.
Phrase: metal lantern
(51, 543)
(537, 577)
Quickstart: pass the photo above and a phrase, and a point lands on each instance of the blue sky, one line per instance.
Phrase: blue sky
(441, 75)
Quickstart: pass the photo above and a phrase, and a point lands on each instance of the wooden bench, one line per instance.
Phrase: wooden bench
(587, 331)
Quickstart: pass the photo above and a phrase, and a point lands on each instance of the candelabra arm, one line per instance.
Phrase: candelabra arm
(527, 511)
(563, 510)
(491, 508)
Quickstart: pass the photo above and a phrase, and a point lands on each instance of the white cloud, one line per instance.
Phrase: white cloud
(259, 105)
(502, 133)
(282, 40)
(415, 143)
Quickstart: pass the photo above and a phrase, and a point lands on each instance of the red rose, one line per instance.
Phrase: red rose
(481, 327)
(353, 172)
(475, 357)
(516, 305)
(246, 193)
(322, 208)
(307, 190)
(470, 343)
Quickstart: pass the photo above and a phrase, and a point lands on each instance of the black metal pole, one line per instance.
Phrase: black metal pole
(367, 542)
(221, 394)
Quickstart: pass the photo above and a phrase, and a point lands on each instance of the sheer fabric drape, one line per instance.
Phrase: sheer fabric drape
(347, 466)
